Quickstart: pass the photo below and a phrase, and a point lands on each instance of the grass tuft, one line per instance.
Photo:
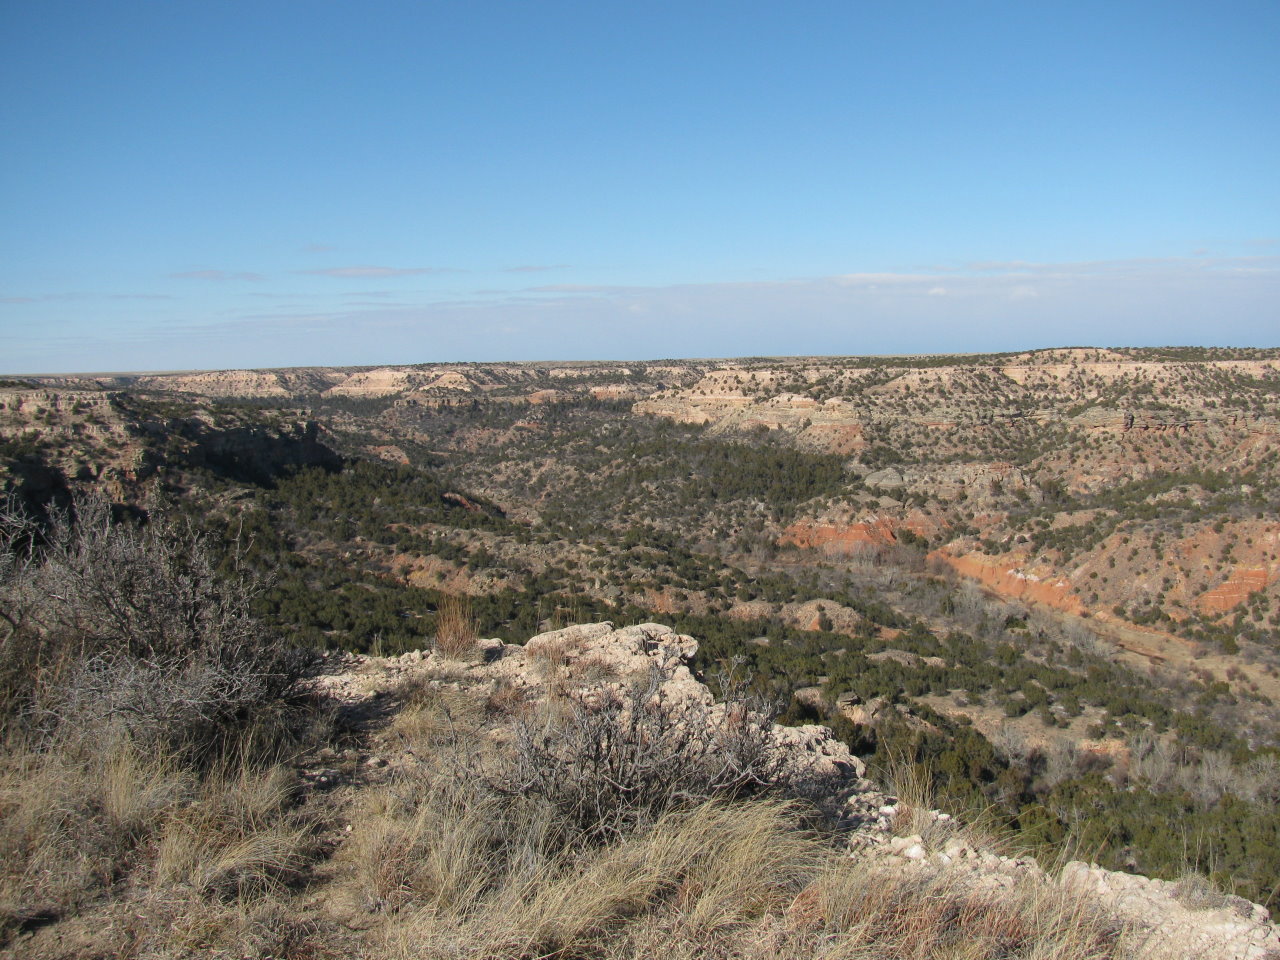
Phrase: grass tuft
(456, 627)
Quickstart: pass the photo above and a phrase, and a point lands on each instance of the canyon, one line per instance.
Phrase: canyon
(1070, 553)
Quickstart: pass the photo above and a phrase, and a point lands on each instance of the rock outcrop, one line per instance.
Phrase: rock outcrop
(1177, 919)
(588, 656)
(1183, 918)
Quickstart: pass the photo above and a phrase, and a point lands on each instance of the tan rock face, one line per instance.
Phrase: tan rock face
(833, 436)
(379, 383)
(1180, 917)
(545, 396)
(826, 426)
(244, 383)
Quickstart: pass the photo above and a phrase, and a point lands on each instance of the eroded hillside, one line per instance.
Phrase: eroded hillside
(1051, 567)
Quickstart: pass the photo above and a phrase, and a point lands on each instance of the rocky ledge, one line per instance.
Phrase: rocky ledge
(1182, 918)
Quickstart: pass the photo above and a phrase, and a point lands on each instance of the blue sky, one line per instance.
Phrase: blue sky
(214, 184)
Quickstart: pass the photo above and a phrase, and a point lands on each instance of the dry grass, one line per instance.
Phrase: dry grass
(431, 715)
(550, 662)
(717, 880)
(1198, 892)
(134, 853)
(429, 841)
(261, 930)
(456, 627)
(507, 700)
(70, 822)
(237, 838)
(714, 867)
(927, 914)
(441, 866)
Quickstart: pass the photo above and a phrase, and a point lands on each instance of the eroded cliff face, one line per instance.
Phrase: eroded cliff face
(295, 382)
(850, 534)
(958, 451)
(829, 426)
(58, 441)
(1111, 485)
(56, 438)
(1026, 582)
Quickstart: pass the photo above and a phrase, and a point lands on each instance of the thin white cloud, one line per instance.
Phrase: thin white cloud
(298, 295)
(218, 276)
(1115, 303)
(537, 268)
(80, 295)
(346, 273)
(1002, 266)
(573, 288)
(875, 279)
(1133, 266)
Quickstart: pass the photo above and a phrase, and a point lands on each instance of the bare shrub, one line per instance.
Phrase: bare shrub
(1065, 760)
(142, 706)
(1207, 775)
(20, 646)
(612, 760)
(111, 624)
(1011, 743)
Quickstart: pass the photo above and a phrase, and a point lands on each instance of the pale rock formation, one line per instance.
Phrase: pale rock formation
(586, 656)
(1174, 919)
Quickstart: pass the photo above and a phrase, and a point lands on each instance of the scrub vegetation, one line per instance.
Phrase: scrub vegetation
(1046, 583)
